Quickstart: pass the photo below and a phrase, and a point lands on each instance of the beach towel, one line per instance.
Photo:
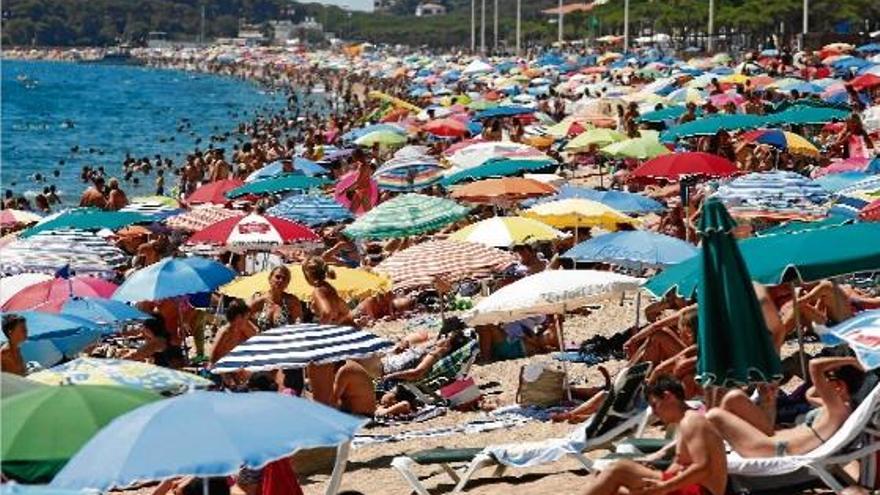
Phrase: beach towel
(279, 479)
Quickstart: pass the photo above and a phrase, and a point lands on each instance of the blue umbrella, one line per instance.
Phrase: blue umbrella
(16, 489)
(206, 434)
(102, 311)
(173, 277)
(835, 182)
(619, 200)
(311, 209)
(869, 48)
(502, 167)
(633, 249)
(301, 165)
(503, 111)
(52, 337)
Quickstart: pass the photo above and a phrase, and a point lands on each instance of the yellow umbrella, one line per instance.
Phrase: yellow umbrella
(562, 129)
(735, 79)
(577, 212)
(350, 283)
(505, 232)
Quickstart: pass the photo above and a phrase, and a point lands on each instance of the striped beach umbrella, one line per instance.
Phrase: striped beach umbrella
(119, 372)
(777, 190)
(783, 140)
(201, 217)
(408, 173)
(406, 215)
(84, 252)
(297, 346)
(253, 231)
(455, 261)
(311, 209)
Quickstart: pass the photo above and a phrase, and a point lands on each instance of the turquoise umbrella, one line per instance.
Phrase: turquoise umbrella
(406, 215)
(88, 219)
(284, 183)
(708, 126)
(495, 168)
(734, 344)
(807, 256)
(806, 114)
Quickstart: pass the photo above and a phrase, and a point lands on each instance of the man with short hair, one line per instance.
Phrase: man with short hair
(700, 465)
(15, 330)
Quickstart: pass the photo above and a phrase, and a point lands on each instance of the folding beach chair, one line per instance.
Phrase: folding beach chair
(622, 411)
(452, 367)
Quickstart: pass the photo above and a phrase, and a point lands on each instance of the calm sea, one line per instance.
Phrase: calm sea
(49, 108)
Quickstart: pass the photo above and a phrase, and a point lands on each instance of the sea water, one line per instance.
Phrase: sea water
(48, 108)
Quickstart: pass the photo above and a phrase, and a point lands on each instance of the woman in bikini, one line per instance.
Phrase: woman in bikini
(276, 307)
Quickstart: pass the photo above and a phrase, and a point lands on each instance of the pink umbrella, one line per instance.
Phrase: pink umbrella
(856, 164)
(341, 196)
(722, 99)
(51, 295)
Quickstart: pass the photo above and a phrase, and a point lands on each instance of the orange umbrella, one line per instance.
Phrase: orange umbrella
(447, 127)
(508, 189)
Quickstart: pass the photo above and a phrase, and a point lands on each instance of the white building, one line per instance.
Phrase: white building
(429, 9)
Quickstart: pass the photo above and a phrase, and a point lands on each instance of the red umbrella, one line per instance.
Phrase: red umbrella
(447, 127)
(214, 192)
(252, 231)
(675, 165)
(871, 212)
(865, 81)
(51, 295)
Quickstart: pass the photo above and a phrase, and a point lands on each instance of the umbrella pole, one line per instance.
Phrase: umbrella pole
(338, 468)
(560, 335)
(638, 307)
(800, 331)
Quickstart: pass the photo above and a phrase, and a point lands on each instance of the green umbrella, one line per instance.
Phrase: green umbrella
(13, 385)
(383, 138)
(501, 167)
(45, 427)
(283, 183)
(89, 219)
(406, 215)
(641, 148)
(597, 136)
(807, 256)
(806, 115)
(708, 126)
(734, 344)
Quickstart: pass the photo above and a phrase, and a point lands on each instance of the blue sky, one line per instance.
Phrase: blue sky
(353, 4)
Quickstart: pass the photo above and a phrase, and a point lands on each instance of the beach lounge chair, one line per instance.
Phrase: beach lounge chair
(622, 411)
(857, 439)
(452, 367)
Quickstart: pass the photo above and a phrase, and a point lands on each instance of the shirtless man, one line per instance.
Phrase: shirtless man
(94, 195)
(353, 390)
(117, 199)
(237, 329)
(700, 465)
(15, 330)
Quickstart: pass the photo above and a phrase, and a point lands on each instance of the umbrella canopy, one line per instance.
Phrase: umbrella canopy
(155, 209)
(84, 252)
(311, 209)
(621, 201)
(9, 286)
(447, 127)
(87, 219)
(835, 182)
(599, 136)
(735, 345)
(406, 215)
(350, 284)
(576, 212)
(640, 148)
(214, 192)
(548, 292)
(783, 140)
(854, 164)
(382, 138)
(506, 232)
(213, 434)
(11, 218)
(253, 231)
(45, 427)
(52, 294)
(509, 189)
(346, 185)
(494, 168)
(674, 166)
(408, 172)
(503, 111)
(13, 385)
(297, 346)
(806, 115)
(871, 213)
(634, 249)
(419, 265)
(778, 190)
(120, 373)
(52, 337)
(796, 256)
(201, 217)
(16, 489)
(479, 153)
(301, 165)
(709, 126)
(172, 277)
(279, 184)
(102, 311)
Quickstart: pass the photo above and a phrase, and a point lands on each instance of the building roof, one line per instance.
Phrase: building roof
(570, 8)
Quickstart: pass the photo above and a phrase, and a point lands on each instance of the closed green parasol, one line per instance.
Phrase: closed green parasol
(406, 215)
(734, 344)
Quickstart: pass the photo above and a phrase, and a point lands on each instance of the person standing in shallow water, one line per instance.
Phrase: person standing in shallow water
(94, 195)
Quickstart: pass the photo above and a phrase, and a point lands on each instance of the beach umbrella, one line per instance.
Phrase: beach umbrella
(455, 261)
(782, 140)
(11, 285)
(201, 217)
(408, 172)
(87, 219)
(173, 277)
(633, 249)
(569, 126)
(801, 225)
(869, 186)
(506, 232)
(778, 189)
(382, 138)
(406, 215)
(865, 82)
(676, 165)
(214, 192)
(670, 114)
(855, 164)
(43, 428)
(508, 189)
(735, 345)
(599, 136)
(213, 434)
(301, 165)
(622, 201)
(710, 125)
(500, 167)
(343, 189)
(84, 252)
(837, 181)
(871, 213)
(13, 488)
(503, 111)
(102, 311)
(640, 148)
(311, 209)
(363, 131)
(11, 218)
(156, 207)
(806, 115)
(350, 283)
(13, 385)
(799, 256)
(253, 231)
(548, 292)
(297, 346)
(576, 213)
(120, 373)
(481, 152)
(52, 294)
(279, 184)
(53, 337)
(447, 127)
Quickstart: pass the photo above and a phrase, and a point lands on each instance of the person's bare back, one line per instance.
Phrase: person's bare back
(353, 390)
(698, 440)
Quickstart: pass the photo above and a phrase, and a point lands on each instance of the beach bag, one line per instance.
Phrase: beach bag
(540, 385)
(462, 394)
